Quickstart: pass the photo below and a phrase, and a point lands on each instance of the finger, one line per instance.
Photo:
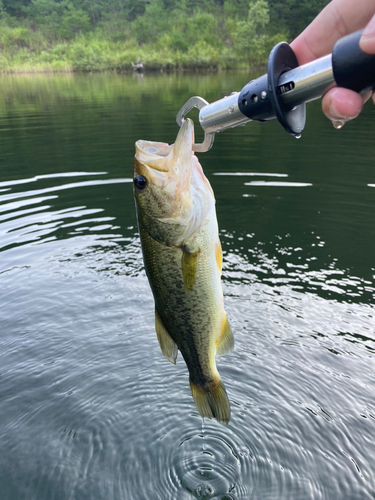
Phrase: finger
(337, 19)
(342, 105)
(367, 41)
(366, 96)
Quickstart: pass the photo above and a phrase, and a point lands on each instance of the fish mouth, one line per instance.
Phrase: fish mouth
(153, 154)
(164, 157)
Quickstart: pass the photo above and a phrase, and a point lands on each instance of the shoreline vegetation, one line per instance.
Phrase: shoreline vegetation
(66, 36)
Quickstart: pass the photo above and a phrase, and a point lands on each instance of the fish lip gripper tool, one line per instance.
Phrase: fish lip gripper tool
(283, 91)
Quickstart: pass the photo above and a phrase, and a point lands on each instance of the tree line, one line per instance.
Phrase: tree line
(97, 35)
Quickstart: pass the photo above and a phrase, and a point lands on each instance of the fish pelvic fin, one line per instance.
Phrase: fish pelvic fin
(218, 256)
(226, 340)
(167, 345)
(189, 264)
(212, 402)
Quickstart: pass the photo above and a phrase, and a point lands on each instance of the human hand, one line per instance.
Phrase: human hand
(337, 19)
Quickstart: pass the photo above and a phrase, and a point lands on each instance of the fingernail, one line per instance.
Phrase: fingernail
(334, 115)
(369, 31)
(368, 36)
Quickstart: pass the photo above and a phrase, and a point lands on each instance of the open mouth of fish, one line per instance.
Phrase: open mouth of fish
(164, 157)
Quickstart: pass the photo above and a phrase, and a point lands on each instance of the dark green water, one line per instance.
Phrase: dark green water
(89, 407)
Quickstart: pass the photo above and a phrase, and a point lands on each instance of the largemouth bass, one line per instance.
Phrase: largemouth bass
(182, 256)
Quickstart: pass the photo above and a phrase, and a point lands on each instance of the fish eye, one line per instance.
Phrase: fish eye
(140, 182)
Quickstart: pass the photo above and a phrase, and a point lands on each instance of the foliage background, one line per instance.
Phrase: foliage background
(102, 35)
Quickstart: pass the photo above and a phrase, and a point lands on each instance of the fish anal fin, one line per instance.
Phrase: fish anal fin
(226, 340)
(212, 402)
(189, 264)
(167, 345)
(218, 256)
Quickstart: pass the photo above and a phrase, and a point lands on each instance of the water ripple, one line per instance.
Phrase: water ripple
(57, 175)
(278, 184)
(64, 187)
(250, 174)
(23, 223)
(206, 464)
(288, 267)
(90, 408)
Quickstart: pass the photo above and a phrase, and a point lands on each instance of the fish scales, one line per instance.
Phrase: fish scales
(182, 256)
(184, 313)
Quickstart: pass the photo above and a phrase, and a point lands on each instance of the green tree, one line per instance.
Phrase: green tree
(101, 10)
(250, 38)
(59, 19)
(154, 22)
(293, 15)
(73, 23)
(236, 9)
(16, 7)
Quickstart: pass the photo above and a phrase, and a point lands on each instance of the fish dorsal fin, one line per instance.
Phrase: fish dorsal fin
(226, 341)
(167, 345)
(189, 264)
(218, 256)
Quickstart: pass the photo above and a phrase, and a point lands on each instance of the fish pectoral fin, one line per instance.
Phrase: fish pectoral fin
(226, 340)
(189, 264)
(167, 345)
(212, 403)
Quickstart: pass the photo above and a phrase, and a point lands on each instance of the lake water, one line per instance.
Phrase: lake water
(89, 407)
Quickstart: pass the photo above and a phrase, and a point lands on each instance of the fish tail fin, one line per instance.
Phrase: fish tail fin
(212, 402)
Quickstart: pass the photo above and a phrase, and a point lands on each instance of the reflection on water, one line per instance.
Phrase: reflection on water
(251, 174)
(90, 409)
(277, 184)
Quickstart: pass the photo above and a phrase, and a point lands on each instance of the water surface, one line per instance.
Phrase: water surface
(89, 407)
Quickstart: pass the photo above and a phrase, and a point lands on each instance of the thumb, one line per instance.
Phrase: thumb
(367, 41)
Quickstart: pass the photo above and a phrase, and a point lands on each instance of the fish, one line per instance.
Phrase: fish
(182, 255)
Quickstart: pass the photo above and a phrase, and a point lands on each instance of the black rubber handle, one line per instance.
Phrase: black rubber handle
(353, 68)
